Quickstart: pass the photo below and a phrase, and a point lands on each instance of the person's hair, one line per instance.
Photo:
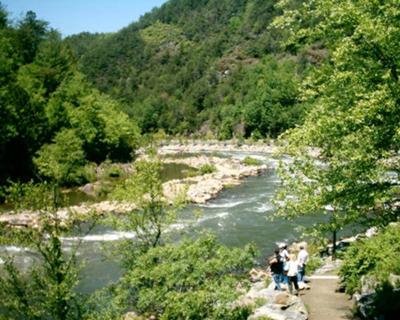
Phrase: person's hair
(276, 251)
(301, 247)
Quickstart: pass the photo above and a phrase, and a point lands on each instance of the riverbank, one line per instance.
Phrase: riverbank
(198, 146)
(199, 189)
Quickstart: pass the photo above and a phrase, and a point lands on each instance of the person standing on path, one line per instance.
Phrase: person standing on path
(292, 273)
(276, 266)
(302, 259)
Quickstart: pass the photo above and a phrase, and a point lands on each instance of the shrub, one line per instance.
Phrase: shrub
(313, 264)
(377, 257)
(207, 168)
(249, 161)
(196, 279)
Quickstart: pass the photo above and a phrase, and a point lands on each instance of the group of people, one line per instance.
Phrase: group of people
(287, 268)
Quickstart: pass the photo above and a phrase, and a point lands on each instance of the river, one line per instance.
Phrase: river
(237, 217)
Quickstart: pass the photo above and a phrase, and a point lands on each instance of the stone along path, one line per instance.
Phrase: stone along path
(322, 300)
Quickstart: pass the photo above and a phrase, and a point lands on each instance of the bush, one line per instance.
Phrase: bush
(377, 257)
(196, 279)
(249, 161)
(314, 262)
(207, 168)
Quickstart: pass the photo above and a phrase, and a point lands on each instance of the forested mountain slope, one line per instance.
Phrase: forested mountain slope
(201, 66)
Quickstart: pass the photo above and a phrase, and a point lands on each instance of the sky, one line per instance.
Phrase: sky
(75, 16)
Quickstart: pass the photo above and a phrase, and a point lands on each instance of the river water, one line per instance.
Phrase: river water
(237, 217)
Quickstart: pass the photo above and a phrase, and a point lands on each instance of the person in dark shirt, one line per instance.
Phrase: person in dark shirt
(276, 266)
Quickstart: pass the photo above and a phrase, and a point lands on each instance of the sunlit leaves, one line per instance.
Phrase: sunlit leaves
(355, 114)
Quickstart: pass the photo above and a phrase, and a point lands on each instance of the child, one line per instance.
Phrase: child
(292, 273)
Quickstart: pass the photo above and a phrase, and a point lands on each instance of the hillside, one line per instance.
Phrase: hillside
(207, 67)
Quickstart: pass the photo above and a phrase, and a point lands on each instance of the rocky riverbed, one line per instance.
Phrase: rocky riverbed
(198, 189)
(197, 146)
(229, 172)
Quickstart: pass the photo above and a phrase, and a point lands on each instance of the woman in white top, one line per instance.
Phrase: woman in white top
(292, 273)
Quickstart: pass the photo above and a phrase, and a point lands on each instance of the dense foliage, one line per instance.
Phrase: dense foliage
(199, 67)
(195, 279)
(354, 118)
(375, 258)
(52, 121)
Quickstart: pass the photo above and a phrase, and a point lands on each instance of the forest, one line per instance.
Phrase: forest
(319, 77)
(157, 74)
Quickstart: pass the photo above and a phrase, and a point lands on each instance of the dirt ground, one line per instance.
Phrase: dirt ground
(323, 303)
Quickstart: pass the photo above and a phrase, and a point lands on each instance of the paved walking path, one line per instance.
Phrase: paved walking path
(323, 302)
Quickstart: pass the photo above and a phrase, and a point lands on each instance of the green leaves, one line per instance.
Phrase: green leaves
(355, 113)
(63, 159)
(192, 280)
(43, 97)
(375, 257)
(46, 290)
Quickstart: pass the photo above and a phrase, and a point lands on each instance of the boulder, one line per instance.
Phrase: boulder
(282, 298)
(371, 232)
(90, 189)
(368, 285)
(274, 304)
(257, 275)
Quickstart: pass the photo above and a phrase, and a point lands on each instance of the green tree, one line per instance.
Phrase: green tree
(193, 280)
(30, 33)
(105, 130)
(152, 214)
(62, 161)
(271, 104)
(355, 114)
(47, 289)
(3, 17)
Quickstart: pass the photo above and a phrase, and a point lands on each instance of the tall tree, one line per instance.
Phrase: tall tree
(355, 119)
(29, 34)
